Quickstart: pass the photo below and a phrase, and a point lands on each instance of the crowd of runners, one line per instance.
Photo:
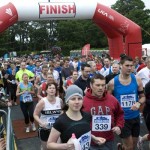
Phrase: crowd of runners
(91, 97)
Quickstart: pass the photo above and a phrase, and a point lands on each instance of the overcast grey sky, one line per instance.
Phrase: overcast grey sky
(110, 2)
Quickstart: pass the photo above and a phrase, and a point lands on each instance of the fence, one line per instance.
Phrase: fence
(6, 121)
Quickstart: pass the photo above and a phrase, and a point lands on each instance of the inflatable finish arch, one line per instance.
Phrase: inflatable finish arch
(124, 36)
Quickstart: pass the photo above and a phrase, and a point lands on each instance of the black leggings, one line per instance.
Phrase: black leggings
(13, 93)
(27, 109)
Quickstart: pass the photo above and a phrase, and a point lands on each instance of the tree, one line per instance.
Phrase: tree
(135, 11)
(75, 34)
(4, 42)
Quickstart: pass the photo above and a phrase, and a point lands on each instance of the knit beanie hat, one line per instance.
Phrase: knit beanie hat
(73, 90)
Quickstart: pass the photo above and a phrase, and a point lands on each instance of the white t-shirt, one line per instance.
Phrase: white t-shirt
(144, 74)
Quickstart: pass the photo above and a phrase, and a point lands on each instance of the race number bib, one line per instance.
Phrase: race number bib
(85, 141)
(101, 123)
(27, 97)
(38, 73)
(13, 82)
(51, 120)
(127, 100)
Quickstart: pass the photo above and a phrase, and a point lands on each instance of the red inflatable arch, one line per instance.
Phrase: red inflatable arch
(124, 36)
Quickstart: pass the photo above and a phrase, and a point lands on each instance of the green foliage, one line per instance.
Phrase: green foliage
(135, 11)
(75, 34)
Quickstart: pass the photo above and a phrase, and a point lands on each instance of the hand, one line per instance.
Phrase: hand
(99, 140)
(44, 124)
(9, 104)
(25, 92)
(116, 130)
(2, 144)
(70, 146)
(136, 106)
(85, 90)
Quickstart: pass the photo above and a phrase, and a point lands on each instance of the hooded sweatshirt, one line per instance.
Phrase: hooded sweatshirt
(107, 105)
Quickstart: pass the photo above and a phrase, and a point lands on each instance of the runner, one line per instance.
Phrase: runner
(128, 89)
(42, 77)
(22, 71)
(12, 87)
(71, 80)
(107, 66)
(46, 112)
(144, 73)
(83, 81)
(73, 120)
(37, 69)
(42, 88)
(107, 115)
(25, 90)
(115, 72)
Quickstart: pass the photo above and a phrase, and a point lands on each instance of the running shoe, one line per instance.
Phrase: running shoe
(33, 127)
(140, 143)
(27, 129)
(119, 146)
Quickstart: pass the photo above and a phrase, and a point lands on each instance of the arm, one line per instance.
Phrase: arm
(65, 85)
(58, 79)
(31, 76)
(32, 90)
(141, 91)
(62, 104)
(118, 118)
(52, 141)
(110, 86)
(147, 93)
(63, 75)
(37, 111)
(39, 93)
(141, 100)
(31, 79)
(18, 93)
(8, 79)
(17, 78)
(98, 140)
(2, 144)
(37, 80)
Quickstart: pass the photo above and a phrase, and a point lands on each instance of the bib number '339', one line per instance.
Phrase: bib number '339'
(101, 123)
